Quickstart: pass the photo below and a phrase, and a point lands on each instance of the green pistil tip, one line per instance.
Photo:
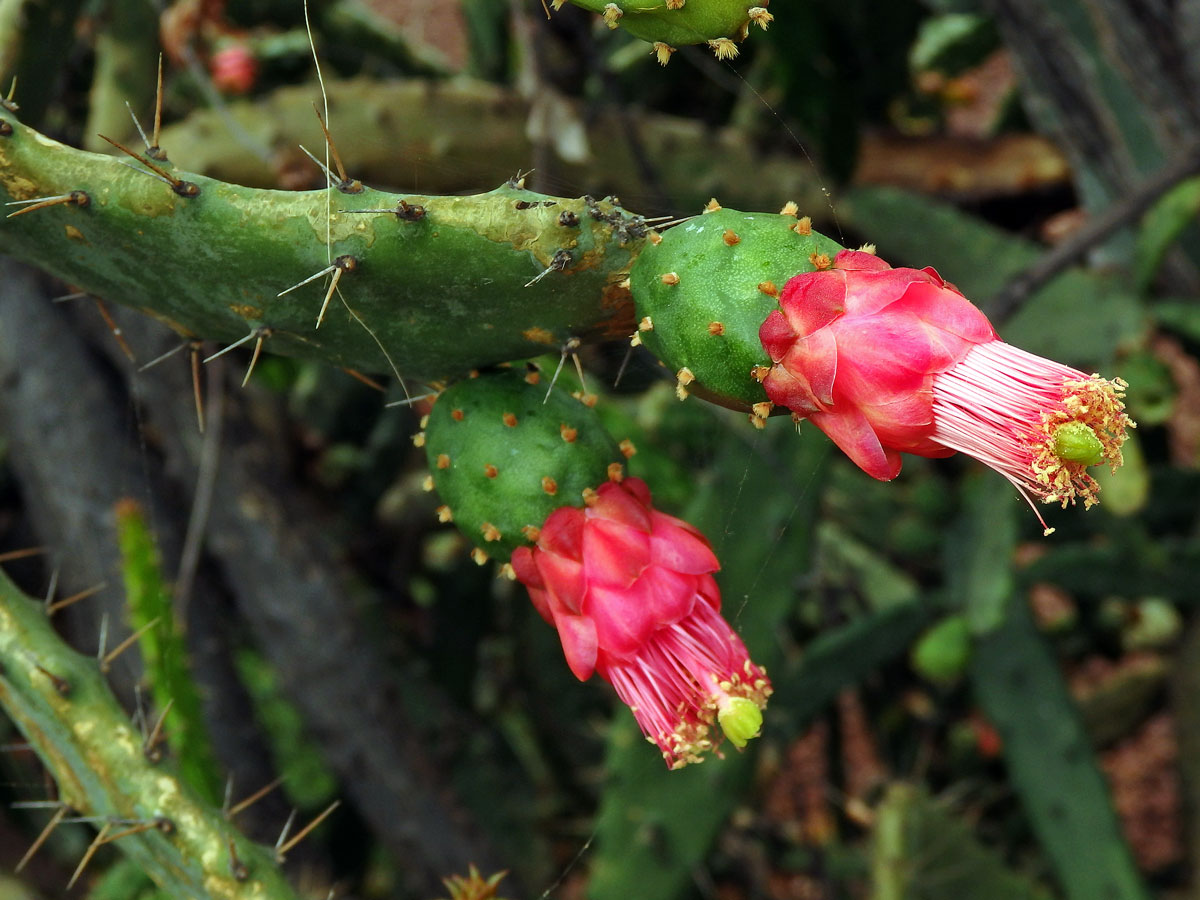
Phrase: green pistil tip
(740, 719)
(1075, 442)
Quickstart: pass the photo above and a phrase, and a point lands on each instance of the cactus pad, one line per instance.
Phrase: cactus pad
(428, 286)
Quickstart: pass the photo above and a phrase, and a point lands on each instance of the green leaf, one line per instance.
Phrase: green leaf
(1162, 226)
(1050, 762)
(979, 549)
(922, 852)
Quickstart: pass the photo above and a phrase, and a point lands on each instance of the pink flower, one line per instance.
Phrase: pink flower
(631, 593)
(888, 361)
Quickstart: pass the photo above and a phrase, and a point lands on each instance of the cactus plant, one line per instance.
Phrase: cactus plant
(438, 288)
(141, 236)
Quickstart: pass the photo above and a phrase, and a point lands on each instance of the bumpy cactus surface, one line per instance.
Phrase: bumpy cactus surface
(705, 289)
(672, 23)
(427, 286)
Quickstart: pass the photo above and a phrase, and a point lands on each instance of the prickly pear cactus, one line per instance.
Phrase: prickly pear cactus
(706, 287)
(506, 450)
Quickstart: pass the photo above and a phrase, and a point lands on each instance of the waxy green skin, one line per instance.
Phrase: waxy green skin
(435, 295)
(695, 22)
(467, 426)
(719, 281)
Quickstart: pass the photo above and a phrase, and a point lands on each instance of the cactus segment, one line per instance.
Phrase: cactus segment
(504, 456)
(61, 703)
(164, 652)
(708, 285)
(679, 22)
(439, 285)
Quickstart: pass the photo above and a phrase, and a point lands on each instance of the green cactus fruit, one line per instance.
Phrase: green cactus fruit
(943, 652)
(703, 291)
(504, 455)
(677, 22)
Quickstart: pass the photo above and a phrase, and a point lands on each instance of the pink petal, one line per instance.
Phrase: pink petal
(904, 421)
(563, 579)
(562, 533)
(776, 335)
(616, 503)
(622, 620)
(638, 489)
(850, 430)
(880, 356)
(953, 323)
(615, 554)
(578, 636)
(815, 360)
(812, 300)
(869, 292)
(678, 546)
(938, 279)
(626, 619)
(785, 389)
(526, 570)
(708, 592)
(859, 260)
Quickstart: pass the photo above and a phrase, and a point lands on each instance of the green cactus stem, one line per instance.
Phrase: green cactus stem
(164, 652)
(426, 286)
(703, 291)
(61, 703)
(505, 451)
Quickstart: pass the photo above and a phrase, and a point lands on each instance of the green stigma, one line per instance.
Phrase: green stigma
(1076, 442)
(740, 719)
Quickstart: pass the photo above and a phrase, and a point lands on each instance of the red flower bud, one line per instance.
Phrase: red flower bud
(234, 69)
(631, 593)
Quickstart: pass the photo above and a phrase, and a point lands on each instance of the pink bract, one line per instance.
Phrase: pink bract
(631, 592)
